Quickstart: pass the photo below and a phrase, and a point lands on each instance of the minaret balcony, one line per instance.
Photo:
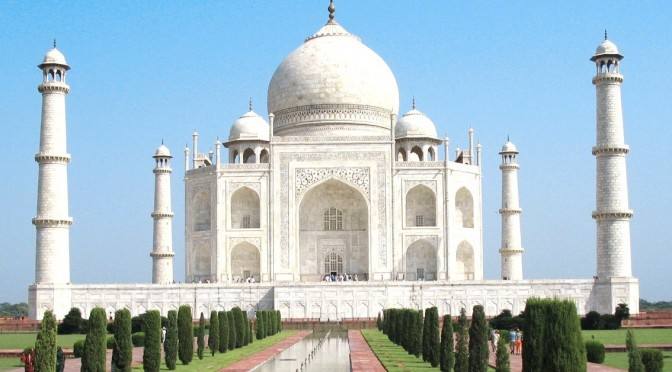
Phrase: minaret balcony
(54, 87)
(613, 215)
(609, 77)
(46, 158)
(510, 211)
(52, 222)
(611, 149)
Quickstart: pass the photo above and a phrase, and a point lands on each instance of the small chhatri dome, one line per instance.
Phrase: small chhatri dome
(162, 151)
(54, 57)
(509, 147)
(250, 126)
(415, 124)
(606, 48)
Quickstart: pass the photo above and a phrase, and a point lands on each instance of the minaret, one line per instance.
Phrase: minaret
(612, 213)
(162, 251)
(52, 222)
(511, 250)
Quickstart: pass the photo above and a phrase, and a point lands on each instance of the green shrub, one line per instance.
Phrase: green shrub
(268, 322)
(608, 321)
(138, 339)
(595, 351)
(110, 342)
(93, 359)
(136, 324)
(213, 335)
(251, 331)
(652, 360)
(462, 347)
(260, 325)
(78, 348)
(45, 345)
(72, 322)
(151, 356)
(170, 343)
(478, 341)
(185, 334)
(379, 322)
(123, 343)
(223, 331)
(239, 326)
(502, 363)
(232, 330)
(434, 339)
(417, 333)
(621, 313)
(634, 357)
(591, 321)
(446, 357)
(200, 337)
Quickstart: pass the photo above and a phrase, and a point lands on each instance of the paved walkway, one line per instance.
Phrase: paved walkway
(261, 357)
(75, 364)
(516, 363)
(362, 358)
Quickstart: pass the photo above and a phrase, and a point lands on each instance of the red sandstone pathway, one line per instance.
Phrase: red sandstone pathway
(261, 357)
(362, 359)
(517, 364)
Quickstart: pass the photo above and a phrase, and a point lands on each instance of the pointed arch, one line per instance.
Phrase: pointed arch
(245, 209)
(431, 154)
(249, 156)
(263, 156)
(420, 207)
(245, 262)
(464, 259)
(464, 207)
(201, 211)
(416, 154)
(401, 155)
(421, 261)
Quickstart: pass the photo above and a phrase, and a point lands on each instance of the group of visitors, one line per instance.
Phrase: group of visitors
(28, 360)
(341, 278)
(516, 341)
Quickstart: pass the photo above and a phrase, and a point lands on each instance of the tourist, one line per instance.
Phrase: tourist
(512, 341)
(356, 279)
(519, 342)
(60, 360)
(163, 334)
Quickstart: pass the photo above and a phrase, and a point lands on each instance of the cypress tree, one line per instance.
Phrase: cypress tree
(564, 349)
(223, 331)
(232, 329)
(634, 357)
(268, 322)
(462, 350)
(213, 335)
(279, 321)
(399, 326)
(434, 339)
(478, 341)
(409, 333)
(246, 330)
(123, 345)
(151, 355)
(534, 329)
(200, 337)
(170, 343)
(251, 332)
(502, 363)
(426, 335)
(446, 357)
(417, 333)
(379, 324)
(185, 333)
(260, 325)
(274, 315)
(95, 343)
(45, 345)
(238, 321)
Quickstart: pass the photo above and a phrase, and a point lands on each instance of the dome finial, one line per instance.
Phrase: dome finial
(54, 43)
(249, 105)
(332, 10)
(605, 34)
(413, 103)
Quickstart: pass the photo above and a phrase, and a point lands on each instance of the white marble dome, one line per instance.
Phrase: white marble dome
(415, 124)
(250, 126)
(606, 47)
(509, 147)
(54, 57)
(332, 81)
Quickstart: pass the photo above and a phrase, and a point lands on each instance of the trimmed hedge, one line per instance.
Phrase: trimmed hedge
(462, 347)
(185, 334)
(151, 355)
(110, 342)
(171, 342)
(223, 331)
(213, 336)
(446, 355)
(239, 323)
(652, 360)
(200, 337)
(232, 329)
(478, 341)
(123, 343)
(502, 361)
(595, 351)
(72, 322)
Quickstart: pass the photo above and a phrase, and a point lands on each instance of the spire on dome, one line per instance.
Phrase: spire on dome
(605, 34)
(413, 104)
(54, 43)
(332, 11)
(249, 105)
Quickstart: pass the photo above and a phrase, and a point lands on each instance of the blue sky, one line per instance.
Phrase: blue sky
(147, 71)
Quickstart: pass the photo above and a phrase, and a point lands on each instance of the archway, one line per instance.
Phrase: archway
(263, 156)
(421, 261)
(245, 262)
(201, 211)
(333, 228)
(401, 155)
(420, 206)
(464, 206)
(464, 268)
(416, 154)
(249, 157)
(245, 209)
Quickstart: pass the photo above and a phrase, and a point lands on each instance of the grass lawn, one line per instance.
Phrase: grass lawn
(620, 360)
(643, 336)
(24, 340)
(210, 363)
(9, 363)
(393, 356)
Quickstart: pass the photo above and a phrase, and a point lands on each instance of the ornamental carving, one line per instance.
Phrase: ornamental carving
(234, 186)
(306, 177)
(332, 112)
(251, 240)
(410, 239)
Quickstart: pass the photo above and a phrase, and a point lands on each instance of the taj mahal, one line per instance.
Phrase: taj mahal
(334, 205)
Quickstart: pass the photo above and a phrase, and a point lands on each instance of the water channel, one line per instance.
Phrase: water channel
(325, 349)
